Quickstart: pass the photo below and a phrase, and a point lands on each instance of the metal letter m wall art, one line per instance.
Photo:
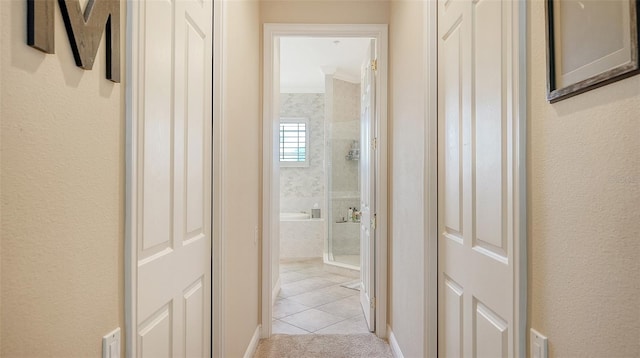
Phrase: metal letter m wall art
(84, 30)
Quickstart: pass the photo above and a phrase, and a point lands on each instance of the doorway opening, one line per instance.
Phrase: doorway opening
(324, 179)
(319, 151)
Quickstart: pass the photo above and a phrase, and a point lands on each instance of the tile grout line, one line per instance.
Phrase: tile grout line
(315, 271)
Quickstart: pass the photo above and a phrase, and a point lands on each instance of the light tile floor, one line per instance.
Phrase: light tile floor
(312, 300)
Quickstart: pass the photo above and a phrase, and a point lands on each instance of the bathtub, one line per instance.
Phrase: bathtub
(300, 236)
(294, 216)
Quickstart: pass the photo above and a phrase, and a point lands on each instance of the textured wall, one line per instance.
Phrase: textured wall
(302, 187)
(241, 106)
(2, 20)
(345, 128)
(325, 11)
(584, 221)
(62, 196)
(406, 111)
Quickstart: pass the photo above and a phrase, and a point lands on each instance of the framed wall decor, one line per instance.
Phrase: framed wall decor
(590, 44)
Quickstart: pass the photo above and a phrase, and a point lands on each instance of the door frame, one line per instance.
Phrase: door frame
(430, 201)
(270, 173)
(430, 30)
(131, 145)
(217, 181)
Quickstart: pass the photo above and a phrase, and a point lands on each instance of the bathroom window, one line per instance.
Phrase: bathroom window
(294, 142)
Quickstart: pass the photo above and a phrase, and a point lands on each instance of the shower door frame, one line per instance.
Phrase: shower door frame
(328, 254)
(270, 168)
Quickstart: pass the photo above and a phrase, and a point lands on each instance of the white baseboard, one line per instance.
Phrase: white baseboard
(395, 348)
(276, 291)
(251, 349)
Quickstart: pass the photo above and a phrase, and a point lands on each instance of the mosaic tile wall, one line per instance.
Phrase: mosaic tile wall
(301, 188)
(345, 179)
(345, 128)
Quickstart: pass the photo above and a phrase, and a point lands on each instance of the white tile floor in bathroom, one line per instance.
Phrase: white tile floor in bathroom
(313, 300)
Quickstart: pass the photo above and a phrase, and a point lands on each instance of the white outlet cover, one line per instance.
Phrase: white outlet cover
(111, 344)
(539, 343)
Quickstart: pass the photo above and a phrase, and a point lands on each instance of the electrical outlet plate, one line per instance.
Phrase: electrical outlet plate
(111, 344)
(538, 345)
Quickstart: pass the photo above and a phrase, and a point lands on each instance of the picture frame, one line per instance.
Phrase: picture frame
(590, 44)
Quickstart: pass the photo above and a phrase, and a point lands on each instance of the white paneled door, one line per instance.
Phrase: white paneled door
(171, 178)
(477, 177)
(368, 186)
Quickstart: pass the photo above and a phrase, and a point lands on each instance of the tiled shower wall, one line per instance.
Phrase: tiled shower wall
(345, 128)
(301, 188)
(345, 193)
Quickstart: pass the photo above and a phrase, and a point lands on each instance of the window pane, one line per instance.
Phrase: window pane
(293, 142)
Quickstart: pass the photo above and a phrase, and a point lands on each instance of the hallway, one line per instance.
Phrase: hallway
(324, 346)
(105, 184)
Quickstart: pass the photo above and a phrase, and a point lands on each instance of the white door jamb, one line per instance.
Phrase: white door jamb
(270, 220)
(217, 178)
(431, 178)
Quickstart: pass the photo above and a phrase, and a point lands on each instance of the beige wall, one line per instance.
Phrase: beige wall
(62, 191)
(325, 11)
(2, 42)
(407, 121)
(584, 195)
(62, 196)
(241, 182)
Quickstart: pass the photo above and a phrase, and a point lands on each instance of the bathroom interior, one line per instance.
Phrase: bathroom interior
(319, 244)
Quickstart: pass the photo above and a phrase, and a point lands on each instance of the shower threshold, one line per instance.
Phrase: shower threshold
(350, 262)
